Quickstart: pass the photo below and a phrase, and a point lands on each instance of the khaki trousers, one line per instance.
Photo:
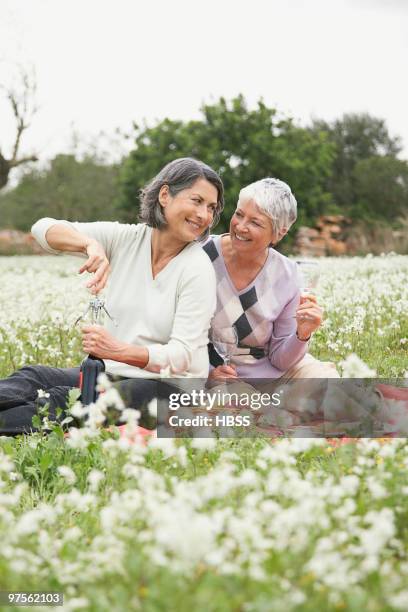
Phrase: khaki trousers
(310, 367)
(306, 395)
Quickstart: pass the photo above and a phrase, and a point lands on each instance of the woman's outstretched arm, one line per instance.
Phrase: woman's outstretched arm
(61, 236)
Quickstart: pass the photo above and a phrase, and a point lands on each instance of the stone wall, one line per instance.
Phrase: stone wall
(328, 237)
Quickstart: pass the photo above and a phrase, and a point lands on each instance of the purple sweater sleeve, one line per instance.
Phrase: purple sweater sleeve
(285, 348)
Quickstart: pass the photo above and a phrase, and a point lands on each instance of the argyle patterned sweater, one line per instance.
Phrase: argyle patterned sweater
(262, 314)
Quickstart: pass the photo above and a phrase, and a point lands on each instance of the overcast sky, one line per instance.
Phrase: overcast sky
(102, 64)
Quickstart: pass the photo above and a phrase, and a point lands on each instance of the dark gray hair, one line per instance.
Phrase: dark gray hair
(179, 174)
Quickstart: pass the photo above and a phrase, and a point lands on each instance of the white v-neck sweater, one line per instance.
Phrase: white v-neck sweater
(170, 315)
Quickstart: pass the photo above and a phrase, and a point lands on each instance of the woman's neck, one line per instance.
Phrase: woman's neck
(241, 260)
(165, 246)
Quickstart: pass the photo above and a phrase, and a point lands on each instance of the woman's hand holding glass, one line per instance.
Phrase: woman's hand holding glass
(222, 372)
(309, 314)
(224, 340)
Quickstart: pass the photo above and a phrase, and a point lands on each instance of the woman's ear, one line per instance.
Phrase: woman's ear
(277, 238)
(282, 232)
(164, 195)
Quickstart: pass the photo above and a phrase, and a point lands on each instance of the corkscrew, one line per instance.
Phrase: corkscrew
(95, 309)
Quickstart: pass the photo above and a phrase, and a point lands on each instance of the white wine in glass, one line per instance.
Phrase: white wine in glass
(309, 273)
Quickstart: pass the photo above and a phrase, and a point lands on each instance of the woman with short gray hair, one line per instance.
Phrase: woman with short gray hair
(258, 291)
(161, 291)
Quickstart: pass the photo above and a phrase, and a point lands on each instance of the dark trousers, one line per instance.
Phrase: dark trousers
(19, 400)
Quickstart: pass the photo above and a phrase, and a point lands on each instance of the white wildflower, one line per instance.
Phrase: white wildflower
(354, 367)
(103, 382)
(94, 478)
(78, 438)
(41, 393)
(166, 445)
(152, 407)
(399, 601)
(130, 415)
(78, 410)
(110, 399)
(67, 473)
(76, 603)
(204, 443)
(96, 415)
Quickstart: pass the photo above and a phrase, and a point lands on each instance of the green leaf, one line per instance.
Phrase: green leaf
(36, 421)
(45, 462)
(73, 396)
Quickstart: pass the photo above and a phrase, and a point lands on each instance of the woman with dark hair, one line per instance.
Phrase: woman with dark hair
(161, 292)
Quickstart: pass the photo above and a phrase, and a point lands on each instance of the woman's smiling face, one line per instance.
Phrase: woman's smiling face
(250, 229)
(191, 211)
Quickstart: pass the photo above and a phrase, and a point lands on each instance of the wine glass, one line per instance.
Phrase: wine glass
(309, 272)
(225, 340)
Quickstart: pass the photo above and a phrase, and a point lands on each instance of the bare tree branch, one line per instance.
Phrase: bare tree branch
(22, 101)
(23, 160)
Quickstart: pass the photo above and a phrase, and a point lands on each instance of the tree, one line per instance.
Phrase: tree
(22, 102)
(381, 185)
(83, 190)
(243, 145)
(356, 137)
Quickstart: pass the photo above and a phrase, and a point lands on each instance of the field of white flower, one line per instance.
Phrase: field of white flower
(232, 525)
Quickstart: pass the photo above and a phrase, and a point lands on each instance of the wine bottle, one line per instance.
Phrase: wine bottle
(90, 369)
(92, 366)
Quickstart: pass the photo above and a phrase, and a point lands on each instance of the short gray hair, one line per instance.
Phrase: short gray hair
(179, 174)
(274, 198)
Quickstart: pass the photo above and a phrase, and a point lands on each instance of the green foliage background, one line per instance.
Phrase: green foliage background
(69, 189)
(349, 166)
